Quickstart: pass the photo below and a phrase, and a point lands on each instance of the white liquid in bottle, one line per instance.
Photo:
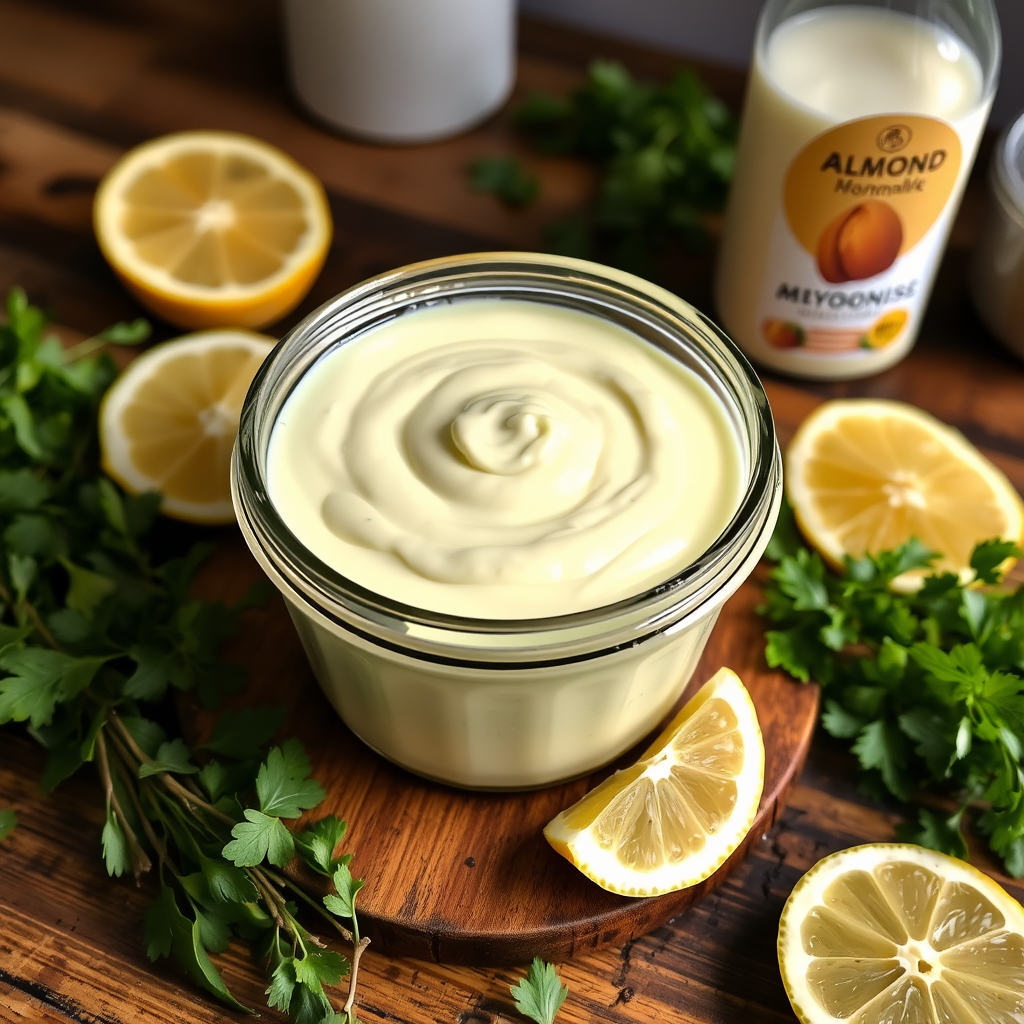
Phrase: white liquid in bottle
(859, 131)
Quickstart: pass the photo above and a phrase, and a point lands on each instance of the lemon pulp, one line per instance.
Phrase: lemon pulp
(213, 228)
(671, 819)
(902, 935)
(169, 422)
(867, 475)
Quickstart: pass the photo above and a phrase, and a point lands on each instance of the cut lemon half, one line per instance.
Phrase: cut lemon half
(901, 935)
(673, 818)
(866, 475)
(213, 229)
(169, 421)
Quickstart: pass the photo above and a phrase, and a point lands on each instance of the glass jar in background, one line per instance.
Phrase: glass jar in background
(498, 703)
(997, 267)
(401, 70)
(860, 125)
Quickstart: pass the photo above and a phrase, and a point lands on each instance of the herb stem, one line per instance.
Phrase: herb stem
(140, 859)
(273, 900)
(39, 625)
(130, 785)
(283, 880)
(357, 952)
(83, 348)
(191, 800)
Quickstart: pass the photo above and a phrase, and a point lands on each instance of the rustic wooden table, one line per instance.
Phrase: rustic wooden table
(81, 81)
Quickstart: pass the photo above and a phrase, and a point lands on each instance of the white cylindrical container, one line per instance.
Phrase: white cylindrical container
(401, 70)
(997, 269)
(509, 702)
(860, 126)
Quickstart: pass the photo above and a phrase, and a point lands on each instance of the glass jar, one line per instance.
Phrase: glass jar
(997, 268)
(499, 704)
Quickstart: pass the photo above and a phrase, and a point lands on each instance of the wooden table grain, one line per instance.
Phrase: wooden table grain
(83, 80)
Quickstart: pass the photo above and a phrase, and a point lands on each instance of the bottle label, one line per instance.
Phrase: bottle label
(859, 234)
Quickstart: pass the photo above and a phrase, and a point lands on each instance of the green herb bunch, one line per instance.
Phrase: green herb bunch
(665, 156)
(927, 686)
(96, 632)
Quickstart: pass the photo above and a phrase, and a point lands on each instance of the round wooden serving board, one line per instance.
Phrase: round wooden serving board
(466, 877)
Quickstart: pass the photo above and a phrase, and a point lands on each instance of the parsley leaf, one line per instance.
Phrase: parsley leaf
(171, 756)
(316, 845)
(937, 832)
(283, 784)
(928, 686)
(802, 578)
(115, 847)
(257, 838)
(541, 993)
(344, 904)
(40, 679)
(320, 966)
(989, 555)
(282, 985)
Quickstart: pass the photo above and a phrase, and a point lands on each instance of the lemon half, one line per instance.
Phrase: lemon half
(213, 229)
(673, 818)
(169, 422)
(893, 934)
(865, 475)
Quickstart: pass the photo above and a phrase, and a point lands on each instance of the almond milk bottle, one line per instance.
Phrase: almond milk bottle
(860, 126)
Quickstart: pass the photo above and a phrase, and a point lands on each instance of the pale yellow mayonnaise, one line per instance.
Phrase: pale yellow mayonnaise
(503, 459)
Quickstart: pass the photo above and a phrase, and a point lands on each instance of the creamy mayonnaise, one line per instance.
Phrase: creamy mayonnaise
(503, 459)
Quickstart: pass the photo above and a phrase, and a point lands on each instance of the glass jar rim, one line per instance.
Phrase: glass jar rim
(540, 277)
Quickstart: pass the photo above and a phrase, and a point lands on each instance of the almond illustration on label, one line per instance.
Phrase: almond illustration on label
(859, 243)
(783, 333)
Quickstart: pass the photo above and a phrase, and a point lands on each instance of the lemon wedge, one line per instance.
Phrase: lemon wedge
(901, 935)
(673, 818)
(168, 423)
(866, 475)
(213, 229)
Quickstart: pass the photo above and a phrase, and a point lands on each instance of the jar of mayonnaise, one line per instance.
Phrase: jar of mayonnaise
(474, 482)
(997, 269)
(859, 130)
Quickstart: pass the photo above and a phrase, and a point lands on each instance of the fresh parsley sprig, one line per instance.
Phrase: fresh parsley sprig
(928, 687)
(97, 631)
(664, 154)
(541, 993)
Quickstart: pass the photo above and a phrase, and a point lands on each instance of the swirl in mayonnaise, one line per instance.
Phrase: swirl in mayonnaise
(503, 459)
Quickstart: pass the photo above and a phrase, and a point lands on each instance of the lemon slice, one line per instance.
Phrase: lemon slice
(169, 421)
(213, 229)
(673, 818)
(865, 475)
(901, 935)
